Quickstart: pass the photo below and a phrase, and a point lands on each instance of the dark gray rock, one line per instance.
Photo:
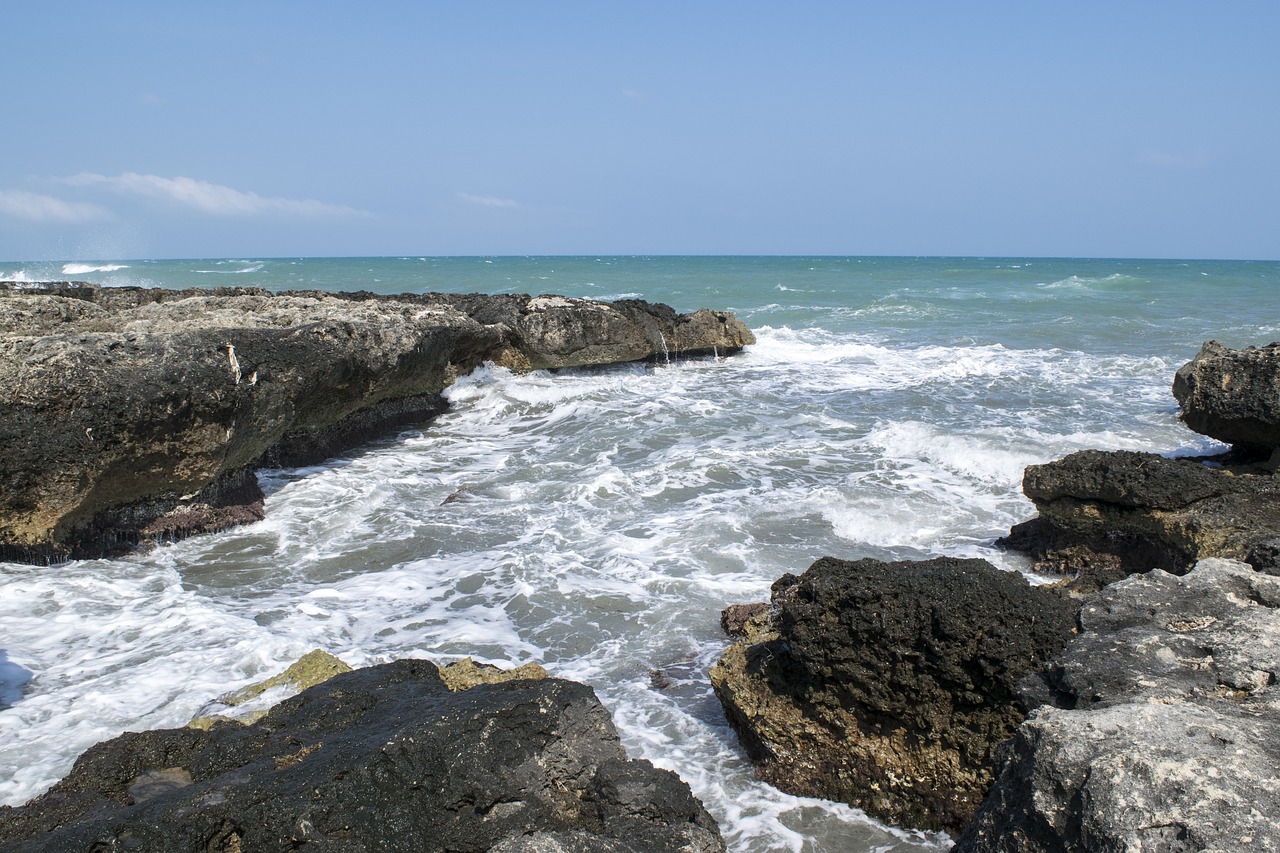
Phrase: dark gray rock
(889, 685)
(1106, 514)
(385, 758)
(1161, 728)
(1233, 395)
(132, 415)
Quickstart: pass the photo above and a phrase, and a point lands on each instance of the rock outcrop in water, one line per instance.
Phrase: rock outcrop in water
(387, 758)
(1104, 515)
(131, 415)
(889, 685)
(1233, 396)
(1159, 728)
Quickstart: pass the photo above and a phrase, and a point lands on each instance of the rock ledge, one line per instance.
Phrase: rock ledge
(132, 415)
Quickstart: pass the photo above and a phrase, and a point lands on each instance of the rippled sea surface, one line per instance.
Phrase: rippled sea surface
(597, 521)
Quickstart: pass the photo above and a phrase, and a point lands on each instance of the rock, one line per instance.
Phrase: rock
(1104, 515)
(1233, 395)
(385, 758)
(735, 618)
(889, 685)
(466, 673)
(309, 670)
(1160, 728)
(132, 415)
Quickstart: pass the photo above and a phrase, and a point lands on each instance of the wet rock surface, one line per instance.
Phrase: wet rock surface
(386, 758)
(1157, 729)
(889, 685)
(133, 415)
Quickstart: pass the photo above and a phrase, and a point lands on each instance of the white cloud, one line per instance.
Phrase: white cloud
(21, 204)
(210, 198)
(487, 200)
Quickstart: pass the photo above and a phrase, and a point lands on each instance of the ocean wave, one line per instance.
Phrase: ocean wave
(80, 632)
(252, 266)
(1085, 283)
(83, 269)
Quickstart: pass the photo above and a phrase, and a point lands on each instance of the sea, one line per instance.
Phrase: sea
(596, 521)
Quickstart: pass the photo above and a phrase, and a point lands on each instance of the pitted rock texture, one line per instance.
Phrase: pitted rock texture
(380, 759)
(1159, 727)
(1233, 395)
(889, 685)
(132, 415)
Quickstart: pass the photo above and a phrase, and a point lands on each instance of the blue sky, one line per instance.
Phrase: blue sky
(1131, 129)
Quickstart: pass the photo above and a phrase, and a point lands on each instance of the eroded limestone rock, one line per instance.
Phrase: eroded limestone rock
(1159, 728)
(133, 415)
(1106, 514)
(1233, 395)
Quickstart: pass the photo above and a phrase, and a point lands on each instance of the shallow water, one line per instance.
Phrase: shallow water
(597, 521)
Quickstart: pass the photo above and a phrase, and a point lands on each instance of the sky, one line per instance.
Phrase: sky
(280, 129)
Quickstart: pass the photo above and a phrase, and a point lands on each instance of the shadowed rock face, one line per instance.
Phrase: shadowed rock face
(1107, 514)
(134, 415)
(888, 685)
(386, 758)
(1157, 729)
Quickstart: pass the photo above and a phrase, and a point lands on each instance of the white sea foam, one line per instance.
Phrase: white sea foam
(245, 267)
(1087, 283)
(112, 647)
(84, 269)
(595, 521)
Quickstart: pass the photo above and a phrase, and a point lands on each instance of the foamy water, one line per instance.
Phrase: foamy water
(597, 521)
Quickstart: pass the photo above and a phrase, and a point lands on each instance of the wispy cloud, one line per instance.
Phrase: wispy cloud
(633, 95)
(488, 200)
(21, 204)
(1165, 159)
(210, 198)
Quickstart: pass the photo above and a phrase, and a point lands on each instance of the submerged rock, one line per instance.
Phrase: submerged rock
(133, 415)
(1159, 728)
(889, 685)
(386, 758)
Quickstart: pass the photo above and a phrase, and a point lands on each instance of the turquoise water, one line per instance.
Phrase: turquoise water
(888, 410)
(1129, 306)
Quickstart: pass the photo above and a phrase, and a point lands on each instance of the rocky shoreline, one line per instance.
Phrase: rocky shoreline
(1132, 705)
(153, 407)
(1129, 705)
